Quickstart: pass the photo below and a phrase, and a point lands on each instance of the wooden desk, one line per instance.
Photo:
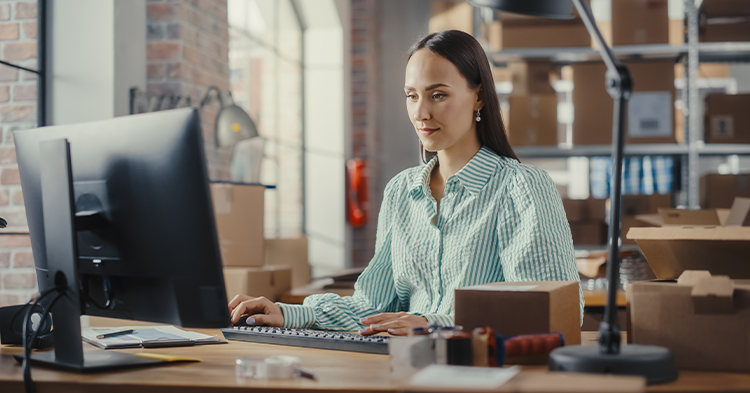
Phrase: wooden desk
(336, 371)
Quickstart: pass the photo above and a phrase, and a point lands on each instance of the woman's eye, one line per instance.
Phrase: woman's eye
(411, 97)
(438, 96)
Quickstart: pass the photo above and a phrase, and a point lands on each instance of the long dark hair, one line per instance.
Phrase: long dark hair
(467, 55)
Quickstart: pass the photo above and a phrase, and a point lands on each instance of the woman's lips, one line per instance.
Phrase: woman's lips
(427, 131)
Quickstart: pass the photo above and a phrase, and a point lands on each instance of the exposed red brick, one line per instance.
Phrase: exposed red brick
(4, 11)
(19, 51)
(161, 11)
(162, 50)
(4, 93)
(19, 280)
(10, 176)
(16, 218)
(4, 260)
(10, 241)
(23, 259)
(29, 29)
(156, 71)
(8, 31)
(17, 113)
(16, 196)
(179, 70)
(4, 196)
(11, 299)
(25, 10)
(191, 54)
(8, 74)
(7, 155)
(24, 93)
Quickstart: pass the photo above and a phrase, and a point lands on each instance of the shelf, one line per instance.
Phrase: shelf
(666, 149)
(719, 149)
(707, 52)
(600, 150)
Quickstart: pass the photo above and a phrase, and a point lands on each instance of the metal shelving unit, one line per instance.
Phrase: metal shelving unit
(707, 51)
(694, 146)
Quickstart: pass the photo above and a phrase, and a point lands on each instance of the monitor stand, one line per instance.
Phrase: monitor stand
(62, 257)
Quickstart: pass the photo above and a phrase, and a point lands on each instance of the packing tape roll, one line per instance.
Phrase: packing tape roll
(282, 367)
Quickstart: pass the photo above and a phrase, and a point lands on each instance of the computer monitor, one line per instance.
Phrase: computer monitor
(120, 213)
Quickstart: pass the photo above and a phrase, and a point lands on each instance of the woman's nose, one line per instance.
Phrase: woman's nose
(422, 111)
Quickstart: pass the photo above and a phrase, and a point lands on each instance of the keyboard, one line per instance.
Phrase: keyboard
(322, 339)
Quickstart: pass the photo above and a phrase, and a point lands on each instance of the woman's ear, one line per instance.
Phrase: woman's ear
(480, 93)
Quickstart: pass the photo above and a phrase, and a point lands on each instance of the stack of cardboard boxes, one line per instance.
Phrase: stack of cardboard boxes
(532, 116)
(254, 265)
(586, 218)
(699, 308)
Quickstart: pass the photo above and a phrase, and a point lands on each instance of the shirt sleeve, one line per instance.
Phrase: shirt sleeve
(374, 291)
(535, 239)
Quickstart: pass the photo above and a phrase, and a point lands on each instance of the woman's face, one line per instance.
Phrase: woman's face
(440, 103)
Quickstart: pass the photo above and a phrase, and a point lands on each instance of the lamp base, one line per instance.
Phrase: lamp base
(654, 363)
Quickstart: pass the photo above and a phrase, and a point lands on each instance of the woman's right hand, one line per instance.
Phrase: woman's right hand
(261, 310)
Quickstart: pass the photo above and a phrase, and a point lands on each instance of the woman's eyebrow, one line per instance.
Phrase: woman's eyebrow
(430, 87)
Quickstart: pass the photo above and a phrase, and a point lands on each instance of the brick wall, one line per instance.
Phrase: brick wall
(188, 51)
(17, 112)
(365, 38)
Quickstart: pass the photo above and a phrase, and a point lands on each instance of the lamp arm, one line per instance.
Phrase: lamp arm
(619, 85)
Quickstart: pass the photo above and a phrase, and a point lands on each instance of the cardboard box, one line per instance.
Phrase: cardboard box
(513, 308)
(585, 209)
(238, 211)
(588, 233)
(291, 253)
(672, 250)
(677, 32)
(724, 29)
(734, 217)
(705, 70)
(719, 191)
(650, 114)
(726, 117)
(724, 21)
(713, 8)
(268, 281)
(628, 222)
(533, 77)
(532, 120)
(702, 319)
(639, 22)
(633, 205)
(452, 15)
(526, 34)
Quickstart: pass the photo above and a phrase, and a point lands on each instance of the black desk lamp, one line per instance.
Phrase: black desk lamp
(654, 363)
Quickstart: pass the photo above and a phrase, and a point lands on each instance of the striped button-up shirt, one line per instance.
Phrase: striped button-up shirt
(498, 220)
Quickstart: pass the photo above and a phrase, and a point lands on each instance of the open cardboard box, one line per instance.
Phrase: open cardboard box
(702, 319)
(697, 240)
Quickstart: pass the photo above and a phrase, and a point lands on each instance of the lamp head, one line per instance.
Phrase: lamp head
(554, 9)
(233, 124)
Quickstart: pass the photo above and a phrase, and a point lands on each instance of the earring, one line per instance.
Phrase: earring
(478, 118)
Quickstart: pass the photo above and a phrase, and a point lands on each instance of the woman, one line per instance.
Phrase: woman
(472, 215)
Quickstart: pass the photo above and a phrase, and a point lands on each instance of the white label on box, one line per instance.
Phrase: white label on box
(507, 288)
(650, 114)
(463, 377)
(722, 127)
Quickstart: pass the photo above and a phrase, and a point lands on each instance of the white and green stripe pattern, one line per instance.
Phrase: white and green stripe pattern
(499, 220)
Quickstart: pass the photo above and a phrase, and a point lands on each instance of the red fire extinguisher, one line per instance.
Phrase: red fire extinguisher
(356, 192)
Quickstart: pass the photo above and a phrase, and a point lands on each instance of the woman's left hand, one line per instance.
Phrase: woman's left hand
(395, 323)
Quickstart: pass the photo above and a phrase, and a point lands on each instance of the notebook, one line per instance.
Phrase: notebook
(147, 337)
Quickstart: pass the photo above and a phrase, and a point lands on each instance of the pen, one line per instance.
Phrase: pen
(305, 374)
(113, 334)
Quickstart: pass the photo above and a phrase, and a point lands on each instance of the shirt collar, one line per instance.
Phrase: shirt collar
(473, 176)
